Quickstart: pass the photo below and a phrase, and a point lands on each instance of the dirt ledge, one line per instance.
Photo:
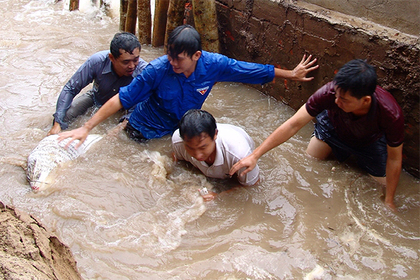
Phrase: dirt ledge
(29, 251)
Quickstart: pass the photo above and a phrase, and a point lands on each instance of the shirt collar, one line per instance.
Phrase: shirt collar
(108, 66)
(200, 69)
(219, 158)
(373, 106)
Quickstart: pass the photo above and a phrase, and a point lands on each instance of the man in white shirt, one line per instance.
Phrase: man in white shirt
(213, 149)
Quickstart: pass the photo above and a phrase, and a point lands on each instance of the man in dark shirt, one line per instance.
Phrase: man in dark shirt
(354, 117)
(108, 70)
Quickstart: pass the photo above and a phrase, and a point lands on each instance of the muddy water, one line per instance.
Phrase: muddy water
(128, 212)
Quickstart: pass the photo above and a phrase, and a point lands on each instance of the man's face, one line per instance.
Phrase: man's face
(184, 64)
(350, 104)
(201, 147)
(126, 63)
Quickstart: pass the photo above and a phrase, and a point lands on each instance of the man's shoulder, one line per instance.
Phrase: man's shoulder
(387, 103)
(98, 61)
(384, 97)
(140, 67)
(211, 55)
(209, 58)
(326, 89)
(322, 99)
(229, 127)
(159, 66)
(233, 135)
(233, 141)
(100, 56)
(216, 55)
(159, 62)
(176, 137)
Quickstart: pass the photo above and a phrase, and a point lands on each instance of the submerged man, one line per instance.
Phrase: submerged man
(108, 70)
(354, 117)
(212, 148)
(181, 80)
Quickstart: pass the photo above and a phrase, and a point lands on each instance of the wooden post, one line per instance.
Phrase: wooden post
(106, 6)
(74, 5)
(175, 18)
(159, 22)
(205, 20)
(130, 23)
(189, 15)
(144, 16)
(123, 14)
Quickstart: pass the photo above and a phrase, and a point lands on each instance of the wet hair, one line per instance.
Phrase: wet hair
(125, 41)
(358, 77)
(184, 38)
(196, 121)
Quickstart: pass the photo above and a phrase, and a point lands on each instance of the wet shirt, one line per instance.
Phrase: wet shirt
(96, 69)
(384, 117)
(232, 144)
(163, 96)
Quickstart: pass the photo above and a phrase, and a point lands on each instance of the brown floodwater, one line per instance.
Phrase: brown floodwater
(128, 212)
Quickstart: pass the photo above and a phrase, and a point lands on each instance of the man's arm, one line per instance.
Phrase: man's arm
(108, 109)
(80, 79)
(177, 147)
(63, 104)
(280, 135)
(393, 171)
(299, 72)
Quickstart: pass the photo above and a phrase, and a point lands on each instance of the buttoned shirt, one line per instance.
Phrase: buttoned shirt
(385, 117)
(232, 144)
(163, 96)
(106, 83)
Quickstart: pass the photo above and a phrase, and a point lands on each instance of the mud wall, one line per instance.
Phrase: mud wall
(280, 32)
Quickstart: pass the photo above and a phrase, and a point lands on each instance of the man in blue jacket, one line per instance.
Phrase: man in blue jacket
(181, 80)
(108, 70)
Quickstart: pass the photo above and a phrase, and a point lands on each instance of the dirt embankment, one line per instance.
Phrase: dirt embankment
(29, 251)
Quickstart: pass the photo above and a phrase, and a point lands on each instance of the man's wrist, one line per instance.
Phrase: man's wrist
(87, 126)
(389, 199)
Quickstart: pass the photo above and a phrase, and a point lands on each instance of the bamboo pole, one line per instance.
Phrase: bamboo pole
(74, 5)
(106, 6)
(205, 21)
(175, 17)
(123, 14)
(144, 23)
(159, 22)
(189, 15)
(130, 23)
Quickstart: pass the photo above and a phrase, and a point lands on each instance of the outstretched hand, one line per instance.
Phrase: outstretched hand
(80, 134)
(305, 66)
(248, 162)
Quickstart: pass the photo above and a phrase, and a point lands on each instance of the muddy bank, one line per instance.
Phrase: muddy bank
(29, 251)
(399, 14)
(280, 32)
